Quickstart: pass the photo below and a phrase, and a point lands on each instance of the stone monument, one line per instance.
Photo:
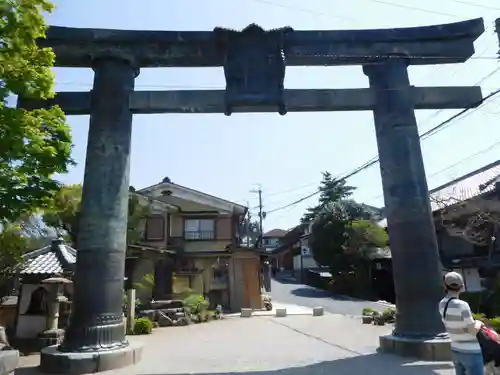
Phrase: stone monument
(254, 62)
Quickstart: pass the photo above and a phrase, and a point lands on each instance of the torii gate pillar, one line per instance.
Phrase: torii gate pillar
(415, 257)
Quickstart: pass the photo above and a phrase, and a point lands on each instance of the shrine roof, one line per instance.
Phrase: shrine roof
(54, 258)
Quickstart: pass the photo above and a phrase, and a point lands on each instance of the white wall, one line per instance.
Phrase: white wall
(306, 262)
(471, 278)
(29, 326)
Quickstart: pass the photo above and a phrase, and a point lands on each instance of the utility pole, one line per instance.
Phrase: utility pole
(261, 213)
(497, 29)
(247, 229)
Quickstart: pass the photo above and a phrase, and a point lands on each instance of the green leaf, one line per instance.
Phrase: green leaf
(34, 144)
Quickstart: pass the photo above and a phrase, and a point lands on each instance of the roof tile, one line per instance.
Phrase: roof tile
(55, 258)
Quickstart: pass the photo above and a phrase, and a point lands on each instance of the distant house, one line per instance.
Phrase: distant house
(290, 246)
(193, 243)
(272, 239)
(455, 206)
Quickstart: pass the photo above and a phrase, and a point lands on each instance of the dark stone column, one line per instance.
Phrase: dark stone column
(415, 257)
(96, 322)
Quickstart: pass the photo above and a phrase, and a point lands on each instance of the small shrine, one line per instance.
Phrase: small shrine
(43, 306)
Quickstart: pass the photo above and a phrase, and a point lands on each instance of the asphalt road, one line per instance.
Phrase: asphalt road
(291, 292)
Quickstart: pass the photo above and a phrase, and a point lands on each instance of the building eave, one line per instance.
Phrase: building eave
(195, 196)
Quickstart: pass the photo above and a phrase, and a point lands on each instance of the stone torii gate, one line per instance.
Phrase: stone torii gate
(254, 62)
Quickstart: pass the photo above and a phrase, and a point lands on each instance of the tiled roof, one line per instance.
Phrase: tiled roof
(275, 233)
(468, 186)
(55, 258)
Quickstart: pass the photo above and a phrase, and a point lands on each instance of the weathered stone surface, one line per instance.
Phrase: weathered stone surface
(96, 321)
(53, 361)
(296, 100)
(281, 313)
(246, 313)
(411, 229)
(8, 361)
(438, 44)
(318, 311)
(427, 350)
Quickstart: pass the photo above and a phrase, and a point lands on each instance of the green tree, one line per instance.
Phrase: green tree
(13, 245)
(331, 190)
(65, 212)
(345, 238)
(34, 144)
(249, 229)
(343, 234)
(364, 236)
(329, 234)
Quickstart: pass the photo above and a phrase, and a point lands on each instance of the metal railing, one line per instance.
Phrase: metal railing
(199, 235)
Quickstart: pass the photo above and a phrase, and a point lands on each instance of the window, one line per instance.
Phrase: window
(199, 229)
(155, 228)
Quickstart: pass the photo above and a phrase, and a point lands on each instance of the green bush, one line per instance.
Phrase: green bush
(495, 323)
(389, 314)
(367, 311)
(196, 303)
(479, 316)
(143, 326)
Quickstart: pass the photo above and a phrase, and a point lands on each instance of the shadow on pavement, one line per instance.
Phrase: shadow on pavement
(285, 280)
(310, 293)
(374, 364)
(317, 293)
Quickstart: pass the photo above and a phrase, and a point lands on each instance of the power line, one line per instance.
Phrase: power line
(475, 5)
(425, 135)
(373, 161)
(461, 161)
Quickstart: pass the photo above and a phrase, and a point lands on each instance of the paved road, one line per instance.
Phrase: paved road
(288, 291)
(295, 345)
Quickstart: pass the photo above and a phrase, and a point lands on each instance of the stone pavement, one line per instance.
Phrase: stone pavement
(295, 345)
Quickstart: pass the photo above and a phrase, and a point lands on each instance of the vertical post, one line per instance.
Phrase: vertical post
(497, 29)
(301, 265)
(247, 226)
(260, 215)
(130, 311)
(96, 323)
(415, 255)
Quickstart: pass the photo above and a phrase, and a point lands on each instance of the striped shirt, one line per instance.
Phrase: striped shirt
(458, 318)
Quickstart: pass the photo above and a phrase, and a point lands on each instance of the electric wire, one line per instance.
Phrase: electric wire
(373, 161)
(461, 161)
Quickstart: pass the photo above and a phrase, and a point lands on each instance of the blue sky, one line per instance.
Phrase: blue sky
(286, 155)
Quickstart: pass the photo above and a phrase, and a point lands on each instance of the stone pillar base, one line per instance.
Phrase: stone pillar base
(53, 361)
(437, 349)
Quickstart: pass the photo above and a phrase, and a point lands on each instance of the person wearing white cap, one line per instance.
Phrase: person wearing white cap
(462, 328)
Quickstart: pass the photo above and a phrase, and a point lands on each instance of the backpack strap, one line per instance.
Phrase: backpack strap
(446, 306)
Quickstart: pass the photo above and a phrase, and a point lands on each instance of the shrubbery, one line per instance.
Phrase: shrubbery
(143, 326)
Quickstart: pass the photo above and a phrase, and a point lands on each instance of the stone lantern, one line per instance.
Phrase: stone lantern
(52, 334)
